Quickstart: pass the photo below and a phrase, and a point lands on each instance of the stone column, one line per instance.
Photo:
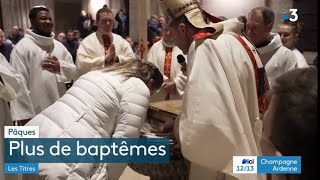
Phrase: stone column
(84, 5)
(142, 25)
(115, 6)
(134, 19)
(154, 7)
(15, 13)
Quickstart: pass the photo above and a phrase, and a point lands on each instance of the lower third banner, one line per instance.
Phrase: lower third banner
(87, 150)
(267, 164)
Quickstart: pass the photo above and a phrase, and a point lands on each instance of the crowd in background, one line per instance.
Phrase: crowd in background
(155, 32)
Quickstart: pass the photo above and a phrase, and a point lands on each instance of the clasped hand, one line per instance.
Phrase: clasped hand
(110, 54)
(51, 64)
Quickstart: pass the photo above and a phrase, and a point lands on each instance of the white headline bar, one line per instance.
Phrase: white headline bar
(21, 132)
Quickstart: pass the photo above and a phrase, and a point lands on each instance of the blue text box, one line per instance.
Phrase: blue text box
(279, 164)
(21, 168)
(87, 150)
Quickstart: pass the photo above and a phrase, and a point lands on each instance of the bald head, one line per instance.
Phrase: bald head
(266, 13)
(15, 30)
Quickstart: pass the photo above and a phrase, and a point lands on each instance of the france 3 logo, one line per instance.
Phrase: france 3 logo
(245, 164)
(293, 16)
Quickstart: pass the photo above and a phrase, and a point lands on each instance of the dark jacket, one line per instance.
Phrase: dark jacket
(83, 30)
(72, 48)
(123, 26)
(15, 39)
(5, 50)
(153, 30)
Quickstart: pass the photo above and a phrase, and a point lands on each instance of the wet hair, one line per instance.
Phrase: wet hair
(102, 10)
(267, 14)
(139, 69)
(34, 11)
(294, 123)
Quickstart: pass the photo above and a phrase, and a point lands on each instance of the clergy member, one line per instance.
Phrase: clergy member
(102, 48)
(9, 87)
(163, 54)
(44, 65)
(220, 103)
(276, 58)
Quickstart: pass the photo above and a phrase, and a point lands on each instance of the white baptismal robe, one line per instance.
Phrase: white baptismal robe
(156, 55)
(43, 88)
(301, 60)
(276, 58)
(91, 52)
(220, 106)
(8, 90)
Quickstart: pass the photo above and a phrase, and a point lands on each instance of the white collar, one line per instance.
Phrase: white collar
(166, 43)
(100, 38)
(273, 45)
(44, 42)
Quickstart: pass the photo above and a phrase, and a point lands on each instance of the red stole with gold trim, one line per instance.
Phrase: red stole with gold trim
(167, 66)
(262, 83)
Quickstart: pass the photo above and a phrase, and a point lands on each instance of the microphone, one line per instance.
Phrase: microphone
(181, 59)
(183, 63)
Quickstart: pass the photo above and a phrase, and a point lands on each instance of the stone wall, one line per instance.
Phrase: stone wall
(139, 11)
(135, 10)
(134, 20)
(230, 8)
(16, 12)
(279, 8)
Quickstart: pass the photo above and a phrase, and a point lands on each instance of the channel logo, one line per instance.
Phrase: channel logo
(293, 16)
(244, 164)
(267, 164)
(248, 161)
